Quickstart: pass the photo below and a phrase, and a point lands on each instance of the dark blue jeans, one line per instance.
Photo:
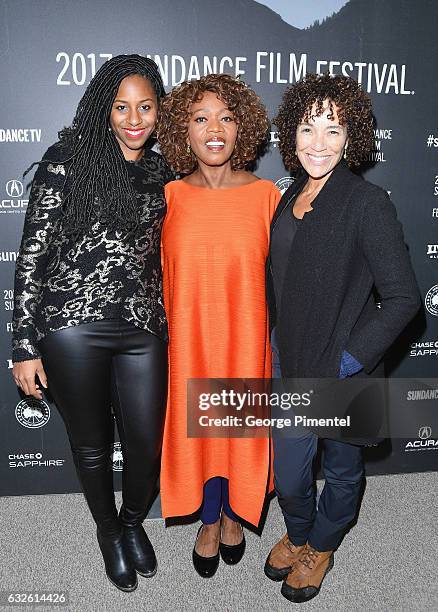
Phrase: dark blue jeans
(323, 526)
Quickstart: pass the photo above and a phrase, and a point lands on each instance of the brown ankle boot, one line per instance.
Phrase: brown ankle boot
(281, 559)
(305, 580)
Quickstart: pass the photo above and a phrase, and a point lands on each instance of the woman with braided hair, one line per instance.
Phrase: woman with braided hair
(89, 321)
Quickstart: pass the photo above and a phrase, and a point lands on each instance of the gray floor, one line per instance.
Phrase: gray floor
(388, 562)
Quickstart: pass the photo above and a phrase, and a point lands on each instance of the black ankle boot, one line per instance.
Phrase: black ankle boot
(138, 547)
(118, 567)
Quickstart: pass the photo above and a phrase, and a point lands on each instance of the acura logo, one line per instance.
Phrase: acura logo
(424, 432)
(14, 188)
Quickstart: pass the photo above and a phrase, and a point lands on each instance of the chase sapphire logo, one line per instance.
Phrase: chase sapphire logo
(32, 413)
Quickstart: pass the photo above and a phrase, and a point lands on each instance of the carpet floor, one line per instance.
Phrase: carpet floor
(388, 562)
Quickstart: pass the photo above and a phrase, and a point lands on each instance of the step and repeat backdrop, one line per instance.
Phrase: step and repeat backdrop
(50, 49)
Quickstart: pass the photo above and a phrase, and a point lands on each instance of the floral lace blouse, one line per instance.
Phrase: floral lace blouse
(104, 275)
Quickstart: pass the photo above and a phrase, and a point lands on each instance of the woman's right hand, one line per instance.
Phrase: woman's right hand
(25, 372)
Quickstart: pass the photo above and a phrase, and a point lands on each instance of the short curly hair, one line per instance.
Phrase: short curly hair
(249, 114)
(353, 107)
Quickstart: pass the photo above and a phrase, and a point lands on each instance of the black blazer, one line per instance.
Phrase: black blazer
(350, 243)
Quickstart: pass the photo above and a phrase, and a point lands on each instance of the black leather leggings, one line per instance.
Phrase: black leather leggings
(90, 368)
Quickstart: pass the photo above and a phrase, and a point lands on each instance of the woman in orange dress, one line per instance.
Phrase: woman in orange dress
(215, 243)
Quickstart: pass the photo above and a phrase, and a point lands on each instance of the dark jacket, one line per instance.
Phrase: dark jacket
(349, 243)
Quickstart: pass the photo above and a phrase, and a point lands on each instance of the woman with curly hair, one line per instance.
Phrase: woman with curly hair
(89, 320)
(335, 238)
(215, 243)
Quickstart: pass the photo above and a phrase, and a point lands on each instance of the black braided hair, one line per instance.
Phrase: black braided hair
(100, 186)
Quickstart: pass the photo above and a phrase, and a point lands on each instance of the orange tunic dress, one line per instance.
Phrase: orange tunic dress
(215, 243)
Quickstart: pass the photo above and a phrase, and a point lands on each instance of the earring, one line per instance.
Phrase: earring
(345, 153)
(188, 147)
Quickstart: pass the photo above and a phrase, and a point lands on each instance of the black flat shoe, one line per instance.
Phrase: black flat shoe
(117, 565)
(140, 551)
(205, 566)
(232, 553)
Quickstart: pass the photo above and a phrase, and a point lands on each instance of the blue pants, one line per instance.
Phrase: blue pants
(323, 526)
(215, 500)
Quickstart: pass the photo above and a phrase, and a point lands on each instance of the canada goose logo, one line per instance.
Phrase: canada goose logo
(14, 188)
(284, 183)
(117, 457)
(32, 413)
(431, 301)
(425, 432)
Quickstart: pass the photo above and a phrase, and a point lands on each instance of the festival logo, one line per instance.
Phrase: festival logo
(8, 294)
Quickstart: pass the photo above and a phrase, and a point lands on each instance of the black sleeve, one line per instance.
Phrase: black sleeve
(42, 214)
(381, 241)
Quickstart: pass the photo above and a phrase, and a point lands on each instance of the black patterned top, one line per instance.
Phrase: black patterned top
(104, 275)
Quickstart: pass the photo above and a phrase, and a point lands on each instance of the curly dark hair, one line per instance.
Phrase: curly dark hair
(249, 114)
(353, 108)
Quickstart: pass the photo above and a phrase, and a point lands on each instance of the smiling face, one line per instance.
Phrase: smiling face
(320, 142)
(212, 131)
(134, 115)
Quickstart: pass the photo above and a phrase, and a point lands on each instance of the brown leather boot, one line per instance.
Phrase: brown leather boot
(305, 580)
(281, 559)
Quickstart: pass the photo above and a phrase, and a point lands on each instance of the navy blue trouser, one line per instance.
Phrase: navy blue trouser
(215, 500)
(323, 526)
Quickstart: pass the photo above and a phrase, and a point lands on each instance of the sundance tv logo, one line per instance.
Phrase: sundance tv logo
(14, 203)
(422, 394)
(424, 441)
(32, 413)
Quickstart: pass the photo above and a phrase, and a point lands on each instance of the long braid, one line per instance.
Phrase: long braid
(100, 185)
